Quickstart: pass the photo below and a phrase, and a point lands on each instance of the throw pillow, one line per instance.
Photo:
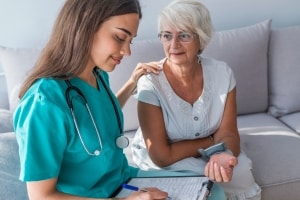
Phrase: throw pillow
(16, 64)
(284, 55)
(245, 51)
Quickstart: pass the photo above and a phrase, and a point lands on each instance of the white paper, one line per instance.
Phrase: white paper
(178, 188)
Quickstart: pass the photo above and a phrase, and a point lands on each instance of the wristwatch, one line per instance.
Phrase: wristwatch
(208, 152)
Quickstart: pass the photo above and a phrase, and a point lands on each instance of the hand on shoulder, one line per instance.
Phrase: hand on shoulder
(144, 68)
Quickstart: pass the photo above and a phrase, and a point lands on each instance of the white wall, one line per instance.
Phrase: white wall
(27, 23)
(228, 14)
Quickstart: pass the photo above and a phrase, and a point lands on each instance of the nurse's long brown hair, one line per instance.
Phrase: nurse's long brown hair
(67, 51)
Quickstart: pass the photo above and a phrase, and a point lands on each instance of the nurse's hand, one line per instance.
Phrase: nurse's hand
(130, 86)
(150, 194)
(144, 68)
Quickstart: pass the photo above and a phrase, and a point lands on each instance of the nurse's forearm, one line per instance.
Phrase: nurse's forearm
(46, 189)
(125, 92)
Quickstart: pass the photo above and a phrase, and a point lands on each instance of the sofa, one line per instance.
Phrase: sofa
(266, 64)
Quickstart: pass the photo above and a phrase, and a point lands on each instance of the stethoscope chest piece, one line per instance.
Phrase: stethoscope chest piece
(97, 152)
(122, 142)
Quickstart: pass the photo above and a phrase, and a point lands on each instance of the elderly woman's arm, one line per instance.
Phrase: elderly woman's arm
(160, 150)
(228, 132)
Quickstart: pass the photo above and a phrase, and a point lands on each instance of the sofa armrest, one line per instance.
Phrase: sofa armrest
(6, 121)
(10, 185)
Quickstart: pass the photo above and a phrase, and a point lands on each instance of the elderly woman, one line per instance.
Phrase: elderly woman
(187, 113)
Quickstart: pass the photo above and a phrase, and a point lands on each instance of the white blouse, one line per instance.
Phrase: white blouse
(182, 120)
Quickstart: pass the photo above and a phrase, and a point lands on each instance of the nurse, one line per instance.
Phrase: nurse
(69, 124)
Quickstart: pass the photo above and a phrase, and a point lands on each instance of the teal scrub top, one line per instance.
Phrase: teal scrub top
(49, 145)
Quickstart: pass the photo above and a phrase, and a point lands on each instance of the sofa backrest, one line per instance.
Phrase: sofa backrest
(141, 51)
(244, 49)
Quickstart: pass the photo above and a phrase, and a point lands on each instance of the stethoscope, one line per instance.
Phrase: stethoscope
(122, 141)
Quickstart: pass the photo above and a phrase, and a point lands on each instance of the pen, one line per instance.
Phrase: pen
(131, 187)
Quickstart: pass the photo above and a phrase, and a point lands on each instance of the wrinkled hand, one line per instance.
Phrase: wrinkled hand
(151, 194)
(220, 167)
(144, 68)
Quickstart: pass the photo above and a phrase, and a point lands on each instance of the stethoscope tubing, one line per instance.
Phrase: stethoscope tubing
(122, 141)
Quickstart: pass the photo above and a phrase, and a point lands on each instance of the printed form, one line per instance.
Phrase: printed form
(178, 188)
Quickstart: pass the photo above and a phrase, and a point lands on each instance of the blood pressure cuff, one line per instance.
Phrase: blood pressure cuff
(208, 152)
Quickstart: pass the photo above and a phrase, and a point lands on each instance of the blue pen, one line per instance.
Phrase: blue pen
(130, 187)
(133, 188)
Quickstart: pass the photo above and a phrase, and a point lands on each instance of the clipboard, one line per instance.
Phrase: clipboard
(177, 187)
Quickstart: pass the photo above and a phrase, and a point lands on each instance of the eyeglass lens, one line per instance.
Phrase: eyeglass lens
(181, 37)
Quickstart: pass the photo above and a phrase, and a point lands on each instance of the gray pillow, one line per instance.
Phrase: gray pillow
(245, 51)
(16, 64)
(284, 64)
(6, 121)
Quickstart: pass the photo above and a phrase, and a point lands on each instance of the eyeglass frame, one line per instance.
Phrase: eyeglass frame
(191, 36)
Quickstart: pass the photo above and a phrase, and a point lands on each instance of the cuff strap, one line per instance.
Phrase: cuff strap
(208, 152)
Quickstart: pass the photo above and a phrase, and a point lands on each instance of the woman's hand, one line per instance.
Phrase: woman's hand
(144, 68)
(151, 194)
(220, 167)
(129, 87)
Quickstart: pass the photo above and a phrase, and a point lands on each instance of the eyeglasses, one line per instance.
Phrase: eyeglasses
(166, 37)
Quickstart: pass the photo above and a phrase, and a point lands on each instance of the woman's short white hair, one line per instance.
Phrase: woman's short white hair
(190, 16)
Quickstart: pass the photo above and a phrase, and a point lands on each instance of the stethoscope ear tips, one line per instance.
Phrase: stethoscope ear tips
(122, 142)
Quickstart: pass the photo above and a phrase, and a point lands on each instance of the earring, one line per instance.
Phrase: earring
(199, 60)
